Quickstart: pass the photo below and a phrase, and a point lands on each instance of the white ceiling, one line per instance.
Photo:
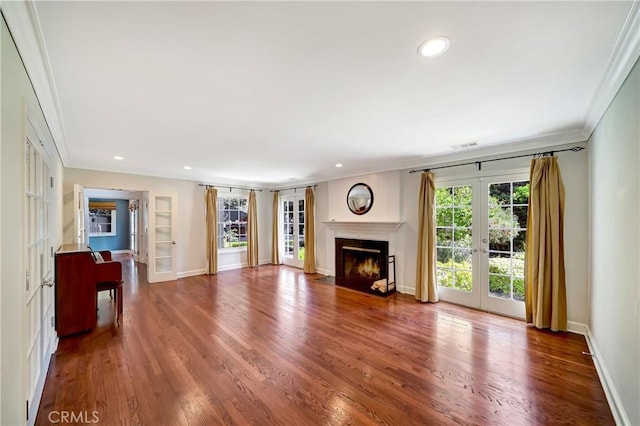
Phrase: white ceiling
(274, 93)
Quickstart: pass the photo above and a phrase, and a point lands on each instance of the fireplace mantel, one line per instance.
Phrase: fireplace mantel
(362, 226)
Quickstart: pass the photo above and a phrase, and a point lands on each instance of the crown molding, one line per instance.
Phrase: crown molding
(624, 54)
(24, 25)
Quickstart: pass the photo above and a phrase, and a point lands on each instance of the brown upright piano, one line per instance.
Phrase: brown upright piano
(77, 274)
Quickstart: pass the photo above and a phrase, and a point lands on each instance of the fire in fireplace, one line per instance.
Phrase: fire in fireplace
(359, 263)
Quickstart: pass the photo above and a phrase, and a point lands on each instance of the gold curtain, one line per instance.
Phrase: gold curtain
(309, 232)
(545, 292)
(275, 230)
(252, 231)
(426, 283)
(212, 230)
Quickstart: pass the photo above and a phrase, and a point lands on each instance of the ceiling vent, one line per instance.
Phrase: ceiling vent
(464, 146)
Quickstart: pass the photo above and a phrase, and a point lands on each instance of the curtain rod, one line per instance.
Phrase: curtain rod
(294, 188)
(479, 163)
(231, 188)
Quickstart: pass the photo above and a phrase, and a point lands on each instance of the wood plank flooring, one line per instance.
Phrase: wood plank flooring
(271, 346)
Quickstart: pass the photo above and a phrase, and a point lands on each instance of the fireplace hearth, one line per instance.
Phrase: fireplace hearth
(362, 263)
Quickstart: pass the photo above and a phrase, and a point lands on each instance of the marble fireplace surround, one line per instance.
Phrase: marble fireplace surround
(380, 231)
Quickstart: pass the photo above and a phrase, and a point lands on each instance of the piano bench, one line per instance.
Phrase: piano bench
(117, 287)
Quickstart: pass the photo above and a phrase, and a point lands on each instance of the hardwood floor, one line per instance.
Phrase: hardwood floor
(271, 346)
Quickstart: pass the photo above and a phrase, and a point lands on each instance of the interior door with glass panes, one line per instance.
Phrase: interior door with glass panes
(39, 274)
(292, 210)
(162, 241)
(480, 235)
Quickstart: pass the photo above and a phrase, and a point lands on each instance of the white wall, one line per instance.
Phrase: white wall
(400, 189)
(386, 198)
(191, 233)
(17, 98)
(615, 248)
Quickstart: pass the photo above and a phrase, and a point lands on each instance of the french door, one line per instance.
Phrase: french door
(39, 294)
(292, 210)
(480, 242)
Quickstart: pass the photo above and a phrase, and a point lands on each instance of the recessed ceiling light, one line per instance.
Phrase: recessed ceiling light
(339, 165)
(117, 157)
(433, 47)
(187, 167)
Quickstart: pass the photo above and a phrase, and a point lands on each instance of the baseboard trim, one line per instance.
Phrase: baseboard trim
(405, 290)
(577, 327)
(120, 251)
(613, 398)
(323, 271)
(192, 273)
(232, 267)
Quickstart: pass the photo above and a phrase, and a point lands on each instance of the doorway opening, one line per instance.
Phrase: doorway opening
(116, 220)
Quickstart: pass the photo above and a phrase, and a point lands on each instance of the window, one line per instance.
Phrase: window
(232, 222)
(102, 222)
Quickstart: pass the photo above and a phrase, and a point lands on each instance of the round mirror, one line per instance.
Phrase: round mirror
(360, 198)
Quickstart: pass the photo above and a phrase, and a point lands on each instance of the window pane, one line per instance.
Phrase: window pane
(444, 277)
(462, 256)
(518, 289)
(500, 193)
(444, 197)
(519, 240)
(500, 286)
(444, 216)
(499, 263)
(500, 239)
(462, 216)
(444, 236)
(520, 192)
(520, 216)
(462, 280)
(444, 254)
(462, 237)
(463, 196)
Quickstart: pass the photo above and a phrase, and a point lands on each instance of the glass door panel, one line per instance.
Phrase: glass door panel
(455, 259)
(507, 199)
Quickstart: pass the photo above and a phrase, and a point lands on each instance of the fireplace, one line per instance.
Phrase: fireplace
(362, 263)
